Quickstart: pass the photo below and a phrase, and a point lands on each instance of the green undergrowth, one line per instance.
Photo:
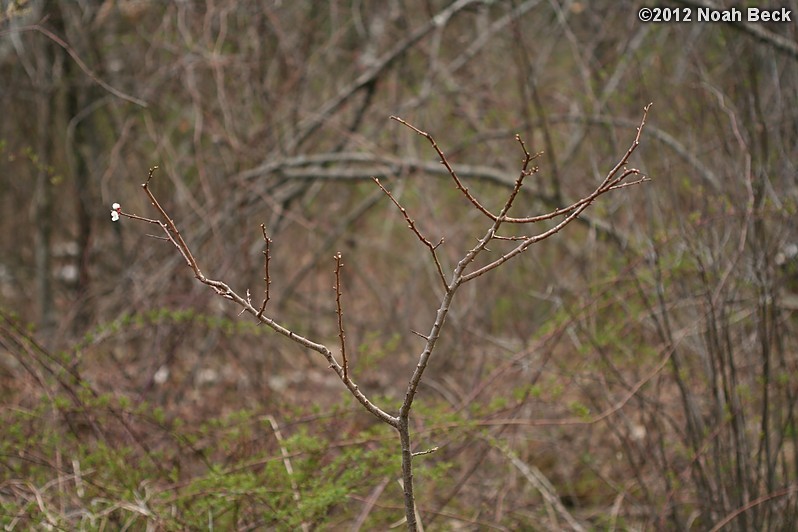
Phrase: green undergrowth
(99, 463)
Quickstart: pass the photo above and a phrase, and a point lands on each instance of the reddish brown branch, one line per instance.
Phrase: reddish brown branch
(225, 291)
(525, 171)
(137, 217)
(445, 162)
(611, 182)
(412, 225)
(340, 312)
(266, 278)
(174, 235)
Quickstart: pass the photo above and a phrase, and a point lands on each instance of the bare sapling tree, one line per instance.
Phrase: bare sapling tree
(466, 269)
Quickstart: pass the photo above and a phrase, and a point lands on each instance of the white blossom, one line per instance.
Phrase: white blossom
(115, 210)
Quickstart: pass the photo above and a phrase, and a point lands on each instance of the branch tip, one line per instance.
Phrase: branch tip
(149, 175)
(428, 451)
(424, 336)
(412, 225)
(266, 277)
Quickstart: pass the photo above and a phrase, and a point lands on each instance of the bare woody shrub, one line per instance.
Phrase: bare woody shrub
(467, 269)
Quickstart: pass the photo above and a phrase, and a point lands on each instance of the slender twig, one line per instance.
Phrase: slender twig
(174, 234)
(606, 186)
(340, 312)
(419, 334)
(510, 238)
(89, 72)
(460, 186)
(143, 219)
(266, 278)
(150, 174)
(788, 490)
(427, 451)
(525, 171)
(156, 237)
(412, 225)
(610, 181)
(630, 183)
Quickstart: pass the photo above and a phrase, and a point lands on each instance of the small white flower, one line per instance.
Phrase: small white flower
(115, 210)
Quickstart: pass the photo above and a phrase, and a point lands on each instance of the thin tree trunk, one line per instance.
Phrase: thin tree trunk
(42, 211)
(407, 472)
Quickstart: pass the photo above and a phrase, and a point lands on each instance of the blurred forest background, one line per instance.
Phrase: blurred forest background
(635, 372)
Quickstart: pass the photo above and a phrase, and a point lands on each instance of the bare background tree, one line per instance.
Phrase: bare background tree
(636, 372)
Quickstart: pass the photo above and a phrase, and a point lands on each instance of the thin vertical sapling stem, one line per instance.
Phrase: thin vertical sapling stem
(340, 312)
(615, 179)
(267, 280)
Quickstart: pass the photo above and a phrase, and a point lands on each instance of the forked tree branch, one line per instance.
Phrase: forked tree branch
(173, 235)
(612, 181)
